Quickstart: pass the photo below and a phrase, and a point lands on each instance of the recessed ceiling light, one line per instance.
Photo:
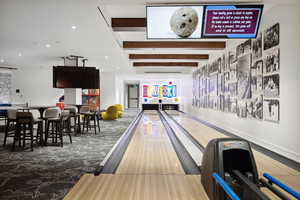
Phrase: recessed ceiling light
(20, 54)
(74, 27)
(48, 45)
(2, 60)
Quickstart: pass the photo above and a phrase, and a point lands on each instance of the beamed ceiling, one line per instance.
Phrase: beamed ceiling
(111, 34)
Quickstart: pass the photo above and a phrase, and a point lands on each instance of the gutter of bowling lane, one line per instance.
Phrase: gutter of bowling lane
(195, 142)
(187, 162)
(112, 160)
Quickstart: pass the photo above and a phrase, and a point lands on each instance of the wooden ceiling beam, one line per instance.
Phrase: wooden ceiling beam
(165, 64)
(128, 24)
(169, 56)
(174, 44)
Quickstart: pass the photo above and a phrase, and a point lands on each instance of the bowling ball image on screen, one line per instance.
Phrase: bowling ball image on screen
(184, 22)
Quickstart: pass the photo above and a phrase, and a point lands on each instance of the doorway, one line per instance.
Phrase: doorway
(133, 95)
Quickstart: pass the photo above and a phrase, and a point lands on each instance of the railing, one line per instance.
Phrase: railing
(225, 187)
(289, 190)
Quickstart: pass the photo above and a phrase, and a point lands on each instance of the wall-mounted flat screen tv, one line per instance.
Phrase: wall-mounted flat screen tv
(231, 21)
(75, 77)
(203, 21)
(174, 22)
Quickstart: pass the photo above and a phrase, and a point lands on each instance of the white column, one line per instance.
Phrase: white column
(73, 96)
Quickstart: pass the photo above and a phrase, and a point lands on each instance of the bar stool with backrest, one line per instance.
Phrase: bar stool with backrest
(84, 111)
(64, 126)
(59, 122)
(52, 123)
(95, 117)
(89, 115)
(75, 116)
(11, 121)
(25, 129)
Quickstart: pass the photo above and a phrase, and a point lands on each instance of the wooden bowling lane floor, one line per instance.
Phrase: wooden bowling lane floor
(150, 151)
(138, 187)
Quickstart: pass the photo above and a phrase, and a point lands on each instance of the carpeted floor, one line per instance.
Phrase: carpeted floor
(50, 172)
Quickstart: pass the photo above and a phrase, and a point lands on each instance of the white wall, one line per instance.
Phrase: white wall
(108, 94)
(284, 137)
(36, 86)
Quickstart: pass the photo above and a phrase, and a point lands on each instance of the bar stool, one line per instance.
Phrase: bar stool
(64, 126)
(11, 121)
(89, 116)
(24, 129)
(52, 119)
(85, 111)
(59, 122)
(75, 116)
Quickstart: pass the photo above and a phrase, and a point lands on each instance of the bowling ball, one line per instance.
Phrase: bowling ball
(184, 22)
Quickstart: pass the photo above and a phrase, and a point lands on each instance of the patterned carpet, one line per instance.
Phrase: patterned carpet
(50, 172)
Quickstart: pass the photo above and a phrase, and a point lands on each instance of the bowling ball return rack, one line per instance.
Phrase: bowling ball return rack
(229, 172)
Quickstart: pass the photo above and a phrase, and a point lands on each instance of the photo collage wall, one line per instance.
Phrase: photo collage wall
(5, 87)
(245, 81)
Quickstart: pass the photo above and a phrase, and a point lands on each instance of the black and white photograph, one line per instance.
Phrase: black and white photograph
(213, 85)
(233, 105)
(271, 37)
(233, 73)
(271, 86)
(220, 63)
(243, 76)
(225, 63)
(257, 47)
(227, 76)
(214, 67)
(240, 50)
(241, 109)
(247, 46)
(213, 102)
(221, 84)
(243, 48)
(232, 57)
(257, 78)
(272, 61)
(226, 103)
(206, 101)
(255, 107)
(232, 89)
(221, 101)
(271, 110)
(5, 87)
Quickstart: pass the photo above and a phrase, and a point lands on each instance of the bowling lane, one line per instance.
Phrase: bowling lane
(204, 134)
(138, 187)
(150, 151)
